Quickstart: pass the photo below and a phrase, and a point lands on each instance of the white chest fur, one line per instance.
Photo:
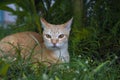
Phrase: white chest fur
(62, 54)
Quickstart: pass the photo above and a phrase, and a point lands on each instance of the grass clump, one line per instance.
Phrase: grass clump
(81, 67)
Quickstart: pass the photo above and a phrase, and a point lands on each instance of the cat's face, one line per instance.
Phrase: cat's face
(55, 36)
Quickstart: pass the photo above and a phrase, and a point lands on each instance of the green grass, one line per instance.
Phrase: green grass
(81, 67)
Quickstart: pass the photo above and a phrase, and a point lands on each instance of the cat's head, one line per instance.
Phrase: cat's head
(56, 36)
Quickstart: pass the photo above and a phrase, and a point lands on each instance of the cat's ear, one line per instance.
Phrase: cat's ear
(44, 23)
(68, 24)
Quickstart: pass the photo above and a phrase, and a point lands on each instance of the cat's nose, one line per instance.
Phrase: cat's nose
(54, 42)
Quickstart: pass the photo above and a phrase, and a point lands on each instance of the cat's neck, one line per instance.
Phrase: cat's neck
(62, 53)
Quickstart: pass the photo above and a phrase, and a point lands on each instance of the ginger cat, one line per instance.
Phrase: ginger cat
(51, 47)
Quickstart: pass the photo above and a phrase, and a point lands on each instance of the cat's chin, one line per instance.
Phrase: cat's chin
(54, 48)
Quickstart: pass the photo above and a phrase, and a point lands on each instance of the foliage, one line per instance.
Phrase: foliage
(94, 43)
(26, 16)
(28, 12)
(4, 32)
(80, 68)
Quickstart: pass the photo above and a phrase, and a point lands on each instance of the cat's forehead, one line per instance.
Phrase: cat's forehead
(55, 29)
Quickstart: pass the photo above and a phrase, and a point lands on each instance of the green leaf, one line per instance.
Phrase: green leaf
(56, 78)
(100, 67)
(3, 68)
(6, 8)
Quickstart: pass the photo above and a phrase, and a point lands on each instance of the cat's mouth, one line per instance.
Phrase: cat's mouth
(55, 47)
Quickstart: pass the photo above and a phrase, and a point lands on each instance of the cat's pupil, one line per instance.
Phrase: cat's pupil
(48, 36)
(61, 36)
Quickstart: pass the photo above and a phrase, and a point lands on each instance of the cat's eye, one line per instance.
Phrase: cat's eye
(61, 36)
(48, 36)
